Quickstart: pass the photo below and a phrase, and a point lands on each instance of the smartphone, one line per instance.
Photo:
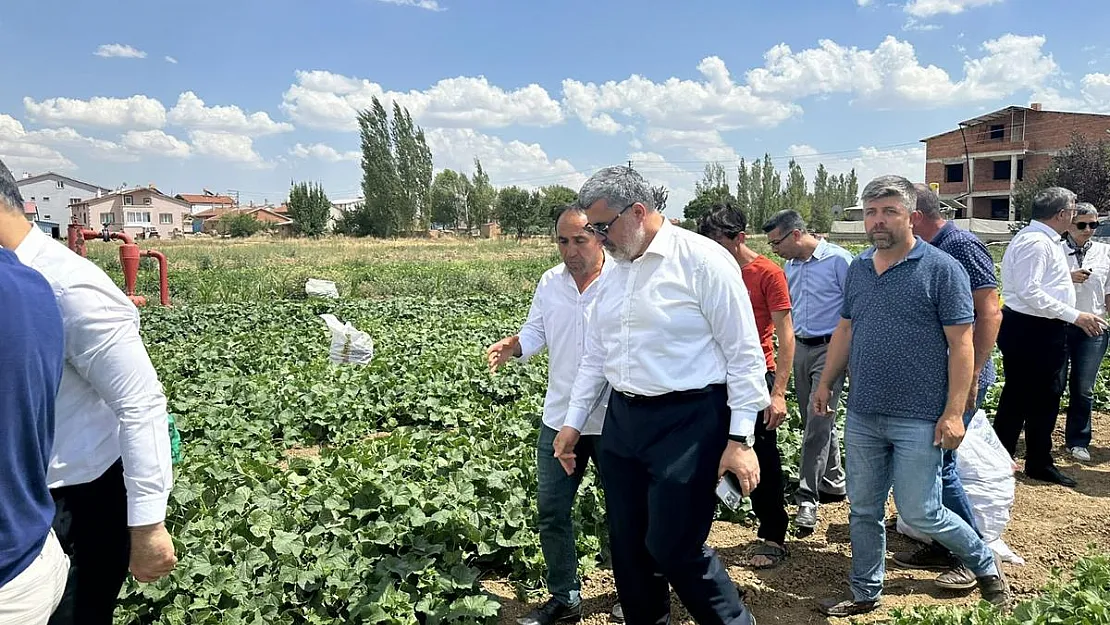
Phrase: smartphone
(728, 491)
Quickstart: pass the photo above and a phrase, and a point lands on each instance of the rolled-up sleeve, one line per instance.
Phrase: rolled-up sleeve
(727, 307)
(104, 347)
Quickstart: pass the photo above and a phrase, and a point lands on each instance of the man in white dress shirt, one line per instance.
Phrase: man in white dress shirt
(673, 333)
(1039, 306)
(110, 471)
(558, 318)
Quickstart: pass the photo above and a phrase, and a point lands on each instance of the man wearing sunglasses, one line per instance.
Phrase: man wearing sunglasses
(1040, 307)
(674, 335)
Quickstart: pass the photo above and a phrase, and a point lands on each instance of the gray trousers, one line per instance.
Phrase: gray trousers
(819, 467)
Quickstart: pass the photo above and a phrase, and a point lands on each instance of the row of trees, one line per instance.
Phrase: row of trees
(760, 192)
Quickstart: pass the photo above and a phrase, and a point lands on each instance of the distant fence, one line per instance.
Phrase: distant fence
(988, 230)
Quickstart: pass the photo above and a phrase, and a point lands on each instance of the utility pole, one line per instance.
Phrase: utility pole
(236, 192)
(630, 163)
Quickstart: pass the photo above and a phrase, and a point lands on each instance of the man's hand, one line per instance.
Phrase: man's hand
(1079, 276)
(950, 431)
(744, 465)
(565, 442)
(821, 400)
(775, 414)
(1093, 325)
(152, 556)
(502, 352)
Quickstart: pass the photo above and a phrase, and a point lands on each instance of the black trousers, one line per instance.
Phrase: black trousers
(659, 457)
(1034, 359)
(91, 524)
(769, 499)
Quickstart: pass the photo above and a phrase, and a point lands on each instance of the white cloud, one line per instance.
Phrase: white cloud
(119, 51)
(324, 153)
(506, 162)
(705, 145)
(868, 161)
(226, 146)
(891, 75)
(70, 138)
(716, 102)
(912, 24)
(21, 153)
(191, 112)
(156, 143)
(430, 5)
(679, 181)
(321, 99)
(1096, 92)
(929, 8)
(136, 112)
(170, 59)
(863, 3)
(801, 150)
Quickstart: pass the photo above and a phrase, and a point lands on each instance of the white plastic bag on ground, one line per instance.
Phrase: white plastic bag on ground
(321, 288)
(348, 344)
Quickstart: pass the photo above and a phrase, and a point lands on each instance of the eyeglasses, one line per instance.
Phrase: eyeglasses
(775, 243)
(1083, 225)
(601, 229)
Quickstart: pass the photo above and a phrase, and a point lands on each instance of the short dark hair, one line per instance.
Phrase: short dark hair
(1048, 202)
(10, 197)
(928, 202)
(567, 208)
(723, 219)
(786, 221)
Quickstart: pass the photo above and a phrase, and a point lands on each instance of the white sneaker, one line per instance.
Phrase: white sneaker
(1080, 453)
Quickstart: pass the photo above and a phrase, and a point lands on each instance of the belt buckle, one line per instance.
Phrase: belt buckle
(628, 395)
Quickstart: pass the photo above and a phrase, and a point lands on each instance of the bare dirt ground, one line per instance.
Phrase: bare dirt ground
(1051, 526)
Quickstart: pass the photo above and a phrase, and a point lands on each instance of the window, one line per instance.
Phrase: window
(1021, 169)
(128, 200)
(1000, 208)
(61, 185)
(954, 173)
(45, 199)
(1002, 170)
(140, 218)
(165, 219)
(998, 131)
(106, 219)
(74, 200)
(147, 201)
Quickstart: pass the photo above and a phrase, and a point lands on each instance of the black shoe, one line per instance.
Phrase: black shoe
(823, 497)
(929, 557)
(846, 607)
(1052, 475)
(807, 516)
(554, 611)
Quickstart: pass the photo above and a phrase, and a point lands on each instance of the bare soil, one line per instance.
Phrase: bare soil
(1051, 527)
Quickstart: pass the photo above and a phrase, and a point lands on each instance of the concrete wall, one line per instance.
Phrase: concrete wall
(53, 202)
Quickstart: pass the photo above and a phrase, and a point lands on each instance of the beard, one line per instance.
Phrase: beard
(631, 248)
(881, 238)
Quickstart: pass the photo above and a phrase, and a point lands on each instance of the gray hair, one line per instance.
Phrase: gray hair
(1085, 208)
(619, 186)
(786, 221)
(928, 202)
(1048, 202)
(10, 199)
(891, 186)
(566, 209)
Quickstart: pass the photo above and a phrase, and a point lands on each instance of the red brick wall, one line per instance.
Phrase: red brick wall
(1044, 130)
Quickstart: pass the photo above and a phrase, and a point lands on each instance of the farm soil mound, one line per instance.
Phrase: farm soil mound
(1052, 526)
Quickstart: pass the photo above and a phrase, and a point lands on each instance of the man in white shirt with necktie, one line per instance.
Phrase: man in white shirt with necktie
(110, 471)
(674, 334)
(558, 319)
(1039, 306)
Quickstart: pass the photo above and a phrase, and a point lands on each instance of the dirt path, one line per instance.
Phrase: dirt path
(1051, 526)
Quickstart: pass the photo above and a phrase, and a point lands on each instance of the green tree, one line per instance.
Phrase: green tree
(551, 199)
(450, 191)
(309, 208)
(821, 204)
(414, 170)
(517, 210)
(770, 192)
(482, 198)
(796, 194)
(711, 189)
(380, 215)
(1083, 167)
(743, 188)
(237, 224)
(659, 197)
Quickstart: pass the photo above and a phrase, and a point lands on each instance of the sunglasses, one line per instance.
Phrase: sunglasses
(775, 243)
(1083, 225)
(602, 228)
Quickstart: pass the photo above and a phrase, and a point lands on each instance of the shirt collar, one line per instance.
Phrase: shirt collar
(31, 246)
(822, 250)
(916, 252)
(1052, 234)
(947, 229)
(661, 243)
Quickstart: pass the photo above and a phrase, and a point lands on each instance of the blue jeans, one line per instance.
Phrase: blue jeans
(952, 495)
(556, 494)
(1085, 354)
(881, 452)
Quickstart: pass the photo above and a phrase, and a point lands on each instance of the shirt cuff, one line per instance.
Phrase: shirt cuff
(147, 510)
(1070, 315)
(528, 346)
(743, 423)
(576, 418)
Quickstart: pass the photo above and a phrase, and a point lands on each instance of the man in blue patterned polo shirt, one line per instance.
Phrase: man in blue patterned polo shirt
(973, 256)
(906, 335)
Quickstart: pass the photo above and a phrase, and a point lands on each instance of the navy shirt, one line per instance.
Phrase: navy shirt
(976, 260)
(31, 344)
(899, 354)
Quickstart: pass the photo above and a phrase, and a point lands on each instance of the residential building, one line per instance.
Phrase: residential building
(139, 212)
(207, 200)
(209, 221)
(980, 162)
(339, 207)
(54, 195)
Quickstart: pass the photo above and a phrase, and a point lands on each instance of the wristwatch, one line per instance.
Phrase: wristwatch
(747, 441)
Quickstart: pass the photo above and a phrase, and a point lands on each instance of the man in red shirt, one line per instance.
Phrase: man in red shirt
(770, 299)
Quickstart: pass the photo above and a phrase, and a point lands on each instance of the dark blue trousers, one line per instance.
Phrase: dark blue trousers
(660, 457)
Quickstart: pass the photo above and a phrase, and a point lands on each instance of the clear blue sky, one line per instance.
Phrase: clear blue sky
(542, 92)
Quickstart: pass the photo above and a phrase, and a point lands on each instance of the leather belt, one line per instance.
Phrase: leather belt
(813, 341)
